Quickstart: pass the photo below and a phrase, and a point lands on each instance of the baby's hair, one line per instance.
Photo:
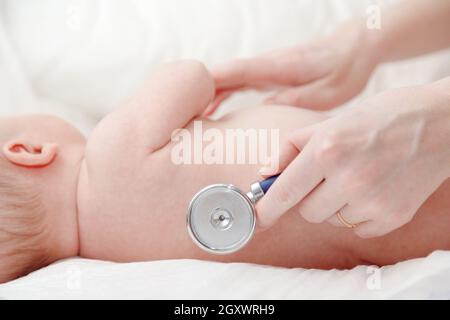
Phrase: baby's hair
(23, 228)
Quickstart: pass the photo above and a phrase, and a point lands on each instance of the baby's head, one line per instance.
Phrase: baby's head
(39, 164)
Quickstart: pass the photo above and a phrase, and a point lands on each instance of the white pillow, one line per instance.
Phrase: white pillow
(91, 55)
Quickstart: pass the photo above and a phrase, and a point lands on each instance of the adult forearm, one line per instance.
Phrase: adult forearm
(412, 28)
(438, 111)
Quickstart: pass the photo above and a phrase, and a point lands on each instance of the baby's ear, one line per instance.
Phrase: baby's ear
(26, 154)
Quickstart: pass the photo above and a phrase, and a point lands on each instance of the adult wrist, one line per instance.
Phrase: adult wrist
(368, 41)
(374, 44)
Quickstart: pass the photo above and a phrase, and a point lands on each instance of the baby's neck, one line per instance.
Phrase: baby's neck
(82, 207)
(61, 195)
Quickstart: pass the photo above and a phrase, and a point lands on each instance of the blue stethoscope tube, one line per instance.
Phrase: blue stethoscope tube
(259, 189)
(266, 184)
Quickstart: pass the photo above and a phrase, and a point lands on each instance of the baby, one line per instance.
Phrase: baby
(119, 196)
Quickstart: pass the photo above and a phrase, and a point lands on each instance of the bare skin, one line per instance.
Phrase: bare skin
(333, 69)
(353, 164)
(118, 196)
(133, 209)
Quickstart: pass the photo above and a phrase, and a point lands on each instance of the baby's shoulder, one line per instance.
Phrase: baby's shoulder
(110, 148)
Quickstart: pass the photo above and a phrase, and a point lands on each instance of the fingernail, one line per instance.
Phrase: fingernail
(264, 172)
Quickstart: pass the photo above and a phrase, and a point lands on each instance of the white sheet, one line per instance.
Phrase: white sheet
(80, 58)
(190, 279)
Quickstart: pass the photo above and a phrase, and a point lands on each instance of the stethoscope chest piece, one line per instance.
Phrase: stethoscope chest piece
(221, 219)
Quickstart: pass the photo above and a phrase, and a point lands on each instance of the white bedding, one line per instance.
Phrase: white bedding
(79, 59)
(191, 279)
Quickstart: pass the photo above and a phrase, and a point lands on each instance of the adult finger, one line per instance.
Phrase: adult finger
(335, 221)
(294, 183)
(290, 147)
(351, 214)
(316, 95)
(372, 229)
(382, 227)
(255, 72)
(323, 202)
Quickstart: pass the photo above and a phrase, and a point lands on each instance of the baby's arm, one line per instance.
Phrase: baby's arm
(175, 94)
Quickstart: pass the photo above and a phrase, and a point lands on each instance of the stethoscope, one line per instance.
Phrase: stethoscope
(221, 219)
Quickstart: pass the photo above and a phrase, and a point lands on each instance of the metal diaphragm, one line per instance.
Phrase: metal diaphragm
(221, 219)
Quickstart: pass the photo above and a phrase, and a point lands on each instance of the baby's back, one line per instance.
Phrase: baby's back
(138, 212)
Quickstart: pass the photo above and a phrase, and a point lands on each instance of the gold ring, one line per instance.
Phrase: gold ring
(345, 222)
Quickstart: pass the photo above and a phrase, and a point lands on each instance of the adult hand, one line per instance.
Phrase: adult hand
(375, 166)
(319, 75)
